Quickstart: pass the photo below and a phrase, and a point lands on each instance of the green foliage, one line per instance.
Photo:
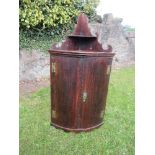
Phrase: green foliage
(53, 14)
(114, 137)
(41, 39)
(41, 43)
(43, 22)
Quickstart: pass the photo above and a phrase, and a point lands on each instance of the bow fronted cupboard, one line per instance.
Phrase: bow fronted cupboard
(79, 73)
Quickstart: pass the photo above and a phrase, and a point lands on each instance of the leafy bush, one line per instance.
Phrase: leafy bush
(56, 15)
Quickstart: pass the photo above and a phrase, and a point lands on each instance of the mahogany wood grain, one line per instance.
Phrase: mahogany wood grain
(79, 72)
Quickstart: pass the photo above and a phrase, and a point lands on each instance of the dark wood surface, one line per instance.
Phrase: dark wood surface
(79, 70)
(73, 77)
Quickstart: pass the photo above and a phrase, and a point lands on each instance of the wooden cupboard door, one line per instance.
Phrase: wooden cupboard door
(79, 88)
(95, 79)
(63, 93)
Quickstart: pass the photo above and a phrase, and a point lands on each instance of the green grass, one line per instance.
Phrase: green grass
(115, 137)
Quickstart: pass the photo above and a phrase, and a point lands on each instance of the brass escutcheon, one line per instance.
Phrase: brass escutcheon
(84, 96)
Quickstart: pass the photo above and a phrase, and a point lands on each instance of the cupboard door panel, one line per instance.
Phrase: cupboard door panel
(64, 91)
(95, 84)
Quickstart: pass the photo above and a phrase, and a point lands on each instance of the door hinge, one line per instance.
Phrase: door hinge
(53, 114)
(101, 114)
(53, 67)
(108, 69)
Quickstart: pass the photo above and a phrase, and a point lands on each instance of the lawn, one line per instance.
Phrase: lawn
(115, 137)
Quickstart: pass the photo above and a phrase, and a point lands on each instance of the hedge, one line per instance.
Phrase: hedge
(52, 14)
